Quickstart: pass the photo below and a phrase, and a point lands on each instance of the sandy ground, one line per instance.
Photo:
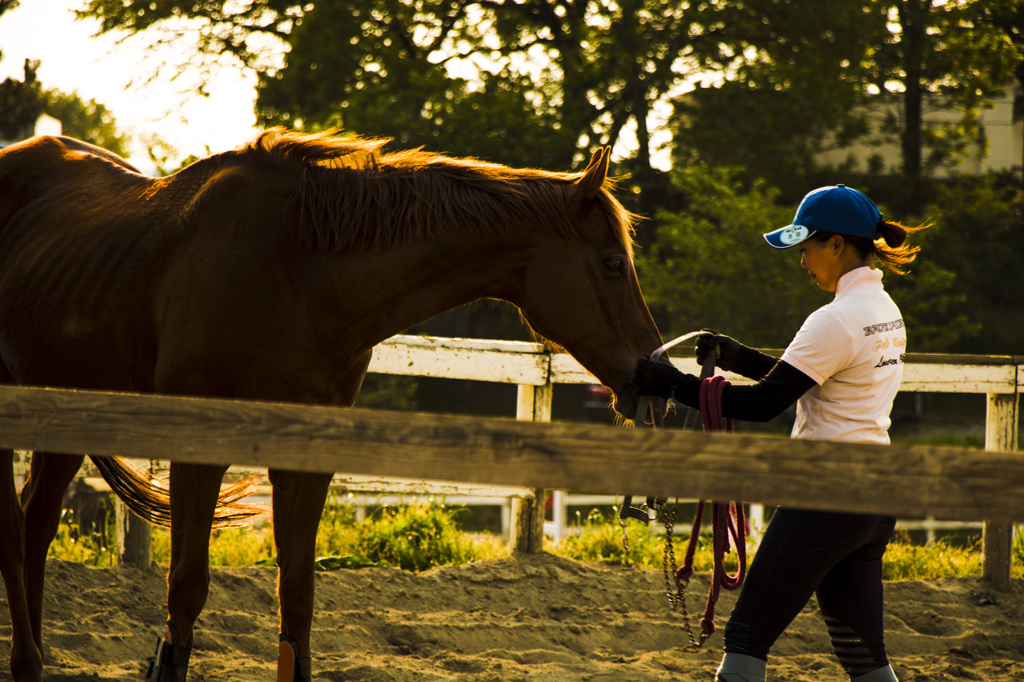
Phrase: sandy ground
(533, 618)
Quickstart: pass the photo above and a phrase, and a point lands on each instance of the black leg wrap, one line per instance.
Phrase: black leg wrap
(170, 664)
(303, 670)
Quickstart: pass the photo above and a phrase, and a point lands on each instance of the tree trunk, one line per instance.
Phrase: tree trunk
(914, 37)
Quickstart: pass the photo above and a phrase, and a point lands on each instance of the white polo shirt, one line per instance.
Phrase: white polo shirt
(853, 348)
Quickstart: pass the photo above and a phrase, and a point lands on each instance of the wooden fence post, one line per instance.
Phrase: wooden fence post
(526, 535)
(997, 538)
(133, 538)
(134, 535)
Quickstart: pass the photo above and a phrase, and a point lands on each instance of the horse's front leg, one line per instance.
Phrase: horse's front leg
(42, 499)
(26, 661)
(298, 503)
(194, 491)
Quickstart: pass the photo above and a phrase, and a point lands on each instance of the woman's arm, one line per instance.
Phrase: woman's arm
(761, 402)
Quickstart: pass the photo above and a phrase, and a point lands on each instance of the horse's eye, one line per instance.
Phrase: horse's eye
(616, 264)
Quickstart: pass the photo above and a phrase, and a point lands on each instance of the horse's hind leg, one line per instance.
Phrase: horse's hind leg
(194, 490)
(26, 661)
(42, 498)
(298, 503)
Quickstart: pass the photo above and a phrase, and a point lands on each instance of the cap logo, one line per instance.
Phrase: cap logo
(794, 234)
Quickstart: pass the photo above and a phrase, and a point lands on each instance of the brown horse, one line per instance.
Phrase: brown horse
(270, 272)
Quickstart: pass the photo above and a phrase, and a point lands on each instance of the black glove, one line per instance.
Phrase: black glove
(733, 356)
(729, 349)
(662, 380)
(656, 379)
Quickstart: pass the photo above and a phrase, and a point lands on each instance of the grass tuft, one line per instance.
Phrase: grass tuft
(935, 560)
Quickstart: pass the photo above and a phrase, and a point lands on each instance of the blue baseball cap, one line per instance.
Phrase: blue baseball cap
(837, 208)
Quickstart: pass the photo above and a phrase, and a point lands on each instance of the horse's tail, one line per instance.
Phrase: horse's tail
(152, 502)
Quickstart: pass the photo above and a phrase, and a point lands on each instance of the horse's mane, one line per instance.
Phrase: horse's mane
(354, 196)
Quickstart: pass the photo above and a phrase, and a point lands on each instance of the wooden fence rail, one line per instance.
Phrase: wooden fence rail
(946, 483)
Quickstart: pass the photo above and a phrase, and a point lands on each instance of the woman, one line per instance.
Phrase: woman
(843, 369)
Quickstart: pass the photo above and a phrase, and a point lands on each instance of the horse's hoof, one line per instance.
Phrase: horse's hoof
(291, 668)
(171, 661)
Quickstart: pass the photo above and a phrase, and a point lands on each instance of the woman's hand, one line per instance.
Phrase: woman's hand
(729, 349)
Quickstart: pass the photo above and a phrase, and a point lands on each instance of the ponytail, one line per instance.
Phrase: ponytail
(891, 248)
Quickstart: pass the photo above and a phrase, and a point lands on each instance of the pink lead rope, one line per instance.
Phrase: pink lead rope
(727, 519)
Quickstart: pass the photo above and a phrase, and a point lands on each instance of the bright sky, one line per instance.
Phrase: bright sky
(114, 75)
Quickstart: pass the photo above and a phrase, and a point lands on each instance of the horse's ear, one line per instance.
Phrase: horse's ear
(595, 175)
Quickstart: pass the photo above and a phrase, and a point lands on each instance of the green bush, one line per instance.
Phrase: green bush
(1017, 550)
(241, 546)
(415, 538)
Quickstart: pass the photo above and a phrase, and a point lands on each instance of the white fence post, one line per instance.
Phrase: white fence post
(557, 529)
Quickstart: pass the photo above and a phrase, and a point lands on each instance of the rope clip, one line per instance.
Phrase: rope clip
(645, 513)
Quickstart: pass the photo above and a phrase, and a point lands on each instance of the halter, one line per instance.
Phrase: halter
(727, 519)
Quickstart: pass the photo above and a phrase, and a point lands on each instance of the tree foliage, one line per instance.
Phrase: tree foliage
(800, 78)
(23, 102)
(356, 66)
(553, 78)
(545, 80)
(709, 267)
(942, 55)
(979, 235)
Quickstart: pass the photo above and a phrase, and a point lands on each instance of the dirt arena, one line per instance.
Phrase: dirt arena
(534, 618)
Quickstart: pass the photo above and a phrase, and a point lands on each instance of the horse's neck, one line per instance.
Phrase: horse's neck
(400, 288)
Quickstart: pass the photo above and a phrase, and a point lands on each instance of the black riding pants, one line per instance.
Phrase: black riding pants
(838, 558)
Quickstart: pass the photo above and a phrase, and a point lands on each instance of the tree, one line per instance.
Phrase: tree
(6, 5)
(86, 120)
(949, 54)
(347, 69)
(978, 234)
(791, 78)
(23, 102)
